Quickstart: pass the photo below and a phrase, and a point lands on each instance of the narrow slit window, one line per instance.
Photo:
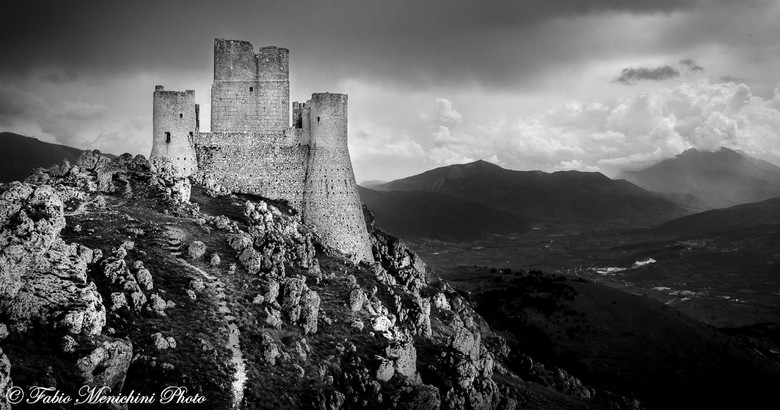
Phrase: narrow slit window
(318, 119)
(167, 137)
(181, 115)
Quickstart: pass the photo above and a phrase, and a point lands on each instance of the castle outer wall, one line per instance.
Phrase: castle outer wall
(253, 149)
(271, 165)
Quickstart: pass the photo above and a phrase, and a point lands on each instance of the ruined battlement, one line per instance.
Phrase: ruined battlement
(254, 147)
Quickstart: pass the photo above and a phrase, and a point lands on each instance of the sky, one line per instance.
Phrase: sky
(605, 85)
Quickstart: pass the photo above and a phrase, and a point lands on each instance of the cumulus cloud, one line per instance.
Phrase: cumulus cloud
(627, 133)
(447, 114)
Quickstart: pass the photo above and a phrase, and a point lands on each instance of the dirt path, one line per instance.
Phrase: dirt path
(234, 334)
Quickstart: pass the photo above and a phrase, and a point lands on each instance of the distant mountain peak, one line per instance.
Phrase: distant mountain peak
(716, 179)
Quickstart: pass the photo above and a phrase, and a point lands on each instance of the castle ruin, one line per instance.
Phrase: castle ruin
(254, 148)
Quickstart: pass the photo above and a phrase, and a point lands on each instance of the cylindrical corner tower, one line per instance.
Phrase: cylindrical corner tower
(331, 202)
(173, 128)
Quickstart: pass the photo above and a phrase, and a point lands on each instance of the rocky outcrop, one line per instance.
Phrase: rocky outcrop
(176, 186)
(396, 263)
(274, 241)
(42, 278)
(116, 271)
(300, 304)
(125, 175)
(106, 364)
(5, 381)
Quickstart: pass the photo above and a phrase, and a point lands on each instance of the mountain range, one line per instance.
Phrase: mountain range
(493, 192)
(716, 179)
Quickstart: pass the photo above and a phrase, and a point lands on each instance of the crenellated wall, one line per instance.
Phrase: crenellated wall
(253, 149)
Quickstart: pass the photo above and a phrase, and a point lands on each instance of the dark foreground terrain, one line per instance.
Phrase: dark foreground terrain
(119, 273)
(633, 344)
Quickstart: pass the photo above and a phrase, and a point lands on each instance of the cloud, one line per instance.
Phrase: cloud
(371, 141)
(74, 123)
(630, 75)
(59, 77)
(691, 65)
(628, 133)
(732, 79)
(446, 113)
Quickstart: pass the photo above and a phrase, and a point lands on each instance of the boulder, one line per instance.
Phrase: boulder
(356, 299)
(269, 348)
(107, 364)
(196, 250)
(144, 279)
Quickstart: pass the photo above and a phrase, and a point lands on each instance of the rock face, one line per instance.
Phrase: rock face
(42, 278)
(395, 259)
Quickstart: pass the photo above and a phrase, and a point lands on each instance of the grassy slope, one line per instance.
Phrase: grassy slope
(432, 215)
(628, 343)
(20, 155)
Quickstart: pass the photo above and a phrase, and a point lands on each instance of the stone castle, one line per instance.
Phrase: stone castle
(253, 147)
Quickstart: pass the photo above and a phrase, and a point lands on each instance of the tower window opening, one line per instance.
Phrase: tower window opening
(318, 119)
(181, 115)
(167, 137)
(191, 134)
(251, 89)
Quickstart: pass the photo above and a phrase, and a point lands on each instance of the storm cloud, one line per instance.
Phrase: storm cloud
(629, 76)
(422, 76)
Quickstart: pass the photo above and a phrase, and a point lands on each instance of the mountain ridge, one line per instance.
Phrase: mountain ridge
(717, 178)
(21, 154)
(537, 195)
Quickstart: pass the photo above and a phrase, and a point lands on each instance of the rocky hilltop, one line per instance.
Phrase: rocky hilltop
(122, 273)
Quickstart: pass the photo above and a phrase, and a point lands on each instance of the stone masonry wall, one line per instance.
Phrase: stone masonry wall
(272, 165)
(252, 148)
(273, 75)
(173, 128)
(251, 92)
(331, 202)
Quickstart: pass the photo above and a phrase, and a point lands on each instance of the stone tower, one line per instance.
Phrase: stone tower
(252, 147)
(251, 92)
(175, 122)
(330, 198)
